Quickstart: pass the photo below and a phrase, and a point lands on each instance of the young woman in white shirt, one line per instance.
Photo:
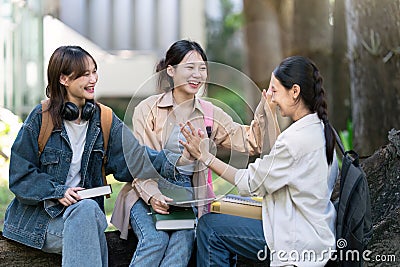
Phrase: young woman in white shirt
(294, 179)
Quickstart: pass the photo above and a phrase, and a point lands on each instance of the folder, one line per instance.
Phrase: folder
(238, 206)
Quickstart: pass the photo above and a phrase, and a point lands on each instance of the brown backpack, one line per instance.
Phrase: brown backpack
(105, 123)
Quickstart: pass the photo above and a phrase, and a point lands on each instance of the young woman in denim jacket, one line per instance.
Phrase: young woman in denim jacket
(295, 179)
(47, 212)
(181, 74)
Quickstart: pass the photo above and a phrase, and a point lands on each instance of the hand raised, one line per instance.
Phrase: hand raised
(195, 143)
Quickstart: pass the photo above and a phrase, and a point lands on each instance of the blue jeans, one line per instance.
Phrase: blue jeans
(79, 235)
(221, 237)
(158, 248)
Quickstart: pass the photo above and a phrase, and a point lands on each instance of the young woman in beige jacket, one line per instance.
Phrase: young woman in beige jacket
(156, 124)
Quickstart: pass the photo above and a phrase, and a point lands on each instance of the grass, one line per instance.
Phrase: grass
(5, 198)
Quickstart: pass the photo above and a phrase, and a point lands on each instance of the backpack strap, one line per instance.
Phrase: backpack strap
(338, 141)
(208, 109)
(46, 128)
(105, 124)
(208, 116)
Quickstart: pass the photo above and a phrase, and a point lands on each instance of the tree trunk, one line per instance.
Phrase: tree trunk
(339, 93)
(373, 35)
(312, 35)
(263, 43)
(383, 174)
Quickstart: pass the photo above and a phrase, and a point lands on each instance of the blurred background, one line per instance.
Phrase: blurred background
(355, 43)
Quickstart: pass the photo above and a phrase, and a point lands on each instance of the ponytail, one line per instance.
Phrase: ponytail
(320, 106)
(164, 82)
(302, 71)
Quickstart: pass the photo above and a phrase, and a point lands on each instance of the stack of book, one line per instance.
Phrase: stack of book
(239, 206)
(179, 218)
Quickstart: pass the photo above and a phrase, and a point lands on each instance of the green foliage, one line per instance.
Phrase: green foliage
(346, 136)
(223, 46)
(5, 198)
(222, 187)
(237, 107)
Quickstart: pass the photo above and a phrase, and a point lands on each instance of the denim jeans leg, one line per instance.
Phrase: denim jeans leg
(221, 237)
(151, 243)
(84, 242)
(179, 250)
(54, 235)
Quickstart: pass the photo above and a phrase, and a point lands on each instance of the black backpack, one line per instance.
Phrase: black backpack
(353, 206)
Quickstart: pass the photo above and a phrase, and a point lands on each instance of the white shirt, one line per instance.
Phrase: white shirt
(77, 137)
(294, 181)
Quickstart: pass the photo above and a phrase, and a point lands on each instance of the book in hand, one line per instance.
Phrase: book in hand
(95, 191)
(179, 218)
(239, 206)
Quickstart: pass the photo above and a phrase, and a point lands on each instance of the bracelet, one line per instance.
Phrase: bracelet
(209, 160)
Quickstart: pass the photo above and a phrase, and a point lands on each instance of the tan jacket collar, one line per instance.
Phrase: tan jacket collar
(167, 100)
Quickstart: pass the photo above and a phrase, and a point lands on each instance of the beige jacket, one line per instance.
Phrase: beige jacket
(153, 122)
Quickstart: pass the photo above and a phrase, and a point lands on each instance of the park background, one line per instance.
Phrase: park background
(355, 43)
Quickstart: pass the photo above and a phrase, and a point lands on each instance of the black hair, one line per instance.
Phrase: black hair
(175, 54)
(303, 72)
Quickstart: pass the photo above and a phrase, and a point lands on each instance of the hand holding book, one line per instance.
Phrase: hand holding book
(94, 192)
(70, 196)
(159, 203)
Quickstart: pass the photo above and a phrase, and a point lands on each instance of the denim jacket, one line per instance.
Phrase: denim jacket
(34, 179)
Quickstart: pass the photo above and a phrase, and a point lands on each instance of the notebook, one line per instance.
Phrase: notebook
(239, 206)
(95, 191)
(179, 218)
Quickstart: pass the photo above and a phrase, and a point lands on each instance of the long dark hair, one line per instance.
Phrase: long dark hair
(302, 71)
(173, 57)
(66, 60)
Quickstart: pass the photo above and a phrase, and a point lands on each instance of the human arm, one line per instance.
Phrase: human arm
(196, 145)
(255, 138)
(265, 175)
(127, 158)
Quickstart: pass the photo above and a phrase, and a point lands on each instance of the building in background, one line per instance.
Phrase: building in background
(126, 37)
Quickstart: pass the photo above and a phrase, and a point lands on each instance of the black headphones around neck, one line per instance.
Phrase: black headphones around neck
(70, 111)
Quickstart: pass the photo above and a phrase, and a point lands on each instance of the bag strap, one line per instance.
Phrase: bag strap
(208, 116)
(209, 122)
(354, 157)
(105, 124)
(46, 128)
(338, 141)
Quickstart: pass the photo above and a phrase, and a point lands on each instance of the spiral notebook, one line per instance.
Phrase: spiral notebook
(238, 206)
(253, 201)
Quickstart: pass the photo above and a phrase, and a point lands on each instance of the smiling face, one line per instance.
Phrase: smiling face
(81, 88)
(285, 99)
(189, 75)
